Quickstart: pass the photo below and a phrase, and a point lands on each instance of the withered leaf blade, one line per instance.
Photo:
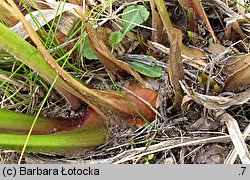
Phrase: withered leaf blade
(233, 23)
(111, 63)
(7, 14)
(160, 5)
(78, 2)
(123, 109)
(216, 102)
(159, 34)
(239, 75)
(191, 56)
(176, 71)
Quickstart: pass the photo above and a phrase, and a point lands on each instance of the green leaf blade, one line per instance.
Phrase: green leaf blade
(150, 71)
(115, 38)
(133, 15)
(87, 51)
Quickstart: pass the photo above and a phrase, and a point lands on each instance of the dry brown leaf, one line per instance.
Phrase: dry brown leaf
(190, 56)
(238, 81)
(210, 154)
(194, 57)
(191, 22)
(239, 75)
(160, 5)
(176, 72)
(158, 35)
(67, 22)
(78, 2)
(237, 23)
(233, 24)
(7, 14)
(216, 102)
(216, 50)
(111, 63)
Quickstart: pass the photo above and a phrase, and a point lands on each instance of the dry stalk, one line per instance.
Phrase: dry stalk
(160, 147)
(233, 154)
(236, 137)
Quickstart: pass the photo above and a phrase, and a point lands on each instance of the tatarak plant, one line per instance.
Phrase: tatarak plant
(56, 135)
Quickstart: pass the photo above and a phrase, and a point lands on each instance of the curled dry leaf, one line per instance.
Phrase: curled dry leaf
(239, 75)
(194, 57)
(216, 102)
(233, 23)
